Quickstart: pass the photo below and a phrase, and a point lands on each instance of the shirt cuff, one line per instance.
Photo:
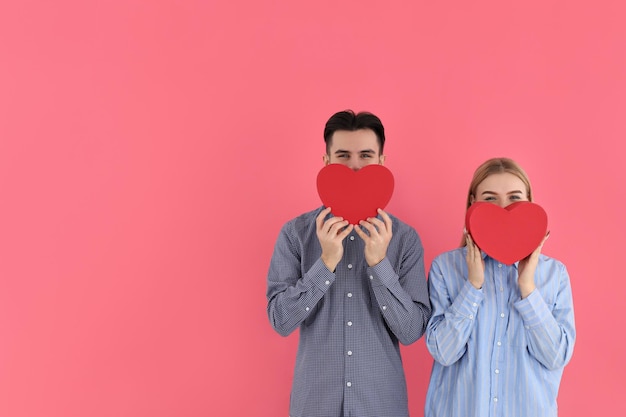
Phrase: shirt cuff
(321, 277)
(382, 274)
(533, 309)
(467, 301)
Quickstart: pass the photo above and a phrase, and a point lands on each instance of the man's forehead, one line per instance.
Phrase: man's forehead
(363, 140)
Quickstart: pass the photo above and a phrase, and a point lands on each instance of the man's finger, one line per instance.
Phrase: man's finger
(361, 233)
(369, 226)
(319, 220)
(346, 231)
(377, 223)
(337, 225)
(386, 218)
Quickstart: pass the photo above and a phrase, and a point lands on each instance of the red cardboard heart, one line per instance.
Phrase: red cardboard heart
(507, 234)
(355, 195)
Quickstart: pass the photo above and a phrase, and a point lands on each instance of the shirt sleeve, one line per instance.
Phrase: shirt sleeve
(454, 317)
(550, 329)
(291, 295)
(402, 296)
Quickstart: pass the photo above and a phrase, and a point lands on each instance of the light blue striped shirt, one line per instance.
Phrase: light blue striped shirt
(497, 355)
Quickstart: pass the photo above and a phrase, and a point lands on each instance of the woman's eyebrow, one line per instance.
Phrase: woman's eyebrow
(494, 193)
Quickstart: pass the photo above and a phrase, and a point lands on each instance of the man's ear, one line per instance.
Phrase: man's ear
(472, 199)
(381, 160)
(326, 159)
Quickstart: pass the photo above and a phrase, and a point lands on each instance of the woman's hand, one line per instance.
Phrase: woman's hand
(526, 270)
(475, 263)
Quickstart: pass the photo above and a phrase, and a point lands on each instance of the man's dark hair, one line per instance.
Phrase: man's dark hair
(348, 120)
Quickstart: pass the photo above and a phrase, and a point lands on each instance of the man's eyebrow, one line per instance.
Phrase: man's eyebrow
(363, 151)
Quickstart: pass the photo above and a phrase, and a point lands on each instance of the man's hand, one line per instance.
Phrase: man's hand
(475, 263)
(331, 234)
(377, 242)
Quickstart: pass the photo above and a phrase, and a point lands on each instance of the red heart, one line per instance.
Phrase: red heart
(355, 195)
(507, 234)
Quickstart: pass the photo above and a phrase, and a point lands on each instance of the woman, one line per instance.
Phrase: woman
(500, 335)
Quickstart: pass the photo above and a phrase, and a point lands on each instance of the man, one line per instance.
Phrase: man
(354, 291)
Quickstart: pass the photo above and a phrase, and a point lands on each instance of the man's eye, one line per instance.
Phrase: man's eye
(366, 155)
(343, 155)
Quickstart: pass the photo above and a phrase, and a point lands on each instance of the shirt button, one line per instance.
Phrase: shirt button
(349, 266)
(501, 289)
(349, 323)
(502, 315)
(327, 283)
(371, 277)
(384, 307)
(499, 266)
(351, 237)
(349, 384)
(349, 353)
(349, 295)
(495, 399)
(471, 316)
(527, 327)
(499, 343)
(475, 305)
(307, 309)
(497, 371)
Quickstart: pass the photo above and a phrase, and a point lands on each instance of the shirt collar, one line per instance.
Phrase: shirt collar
(485, 256)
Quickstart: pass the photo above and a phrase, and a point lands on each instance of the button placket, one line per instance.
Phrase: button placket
(352, 293)
(500, 278)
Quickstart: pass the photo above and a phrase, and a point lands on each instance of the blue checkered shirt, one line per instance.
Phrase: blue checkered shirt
(497, 355)
(348, 361)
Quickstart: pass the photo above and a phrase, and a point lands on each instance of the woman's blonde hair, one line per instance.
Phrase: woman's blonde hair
(496, 166)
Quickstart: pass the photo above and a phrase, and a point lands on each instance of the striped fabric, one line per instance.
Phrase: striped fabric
(348, 361)
(497, 355)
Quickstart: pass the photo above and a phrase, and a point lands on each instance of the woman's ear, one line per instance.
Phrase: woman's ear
(472, 199)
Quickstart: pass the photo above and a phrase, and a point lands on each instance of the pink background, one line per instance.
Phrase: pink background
(151, 150)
